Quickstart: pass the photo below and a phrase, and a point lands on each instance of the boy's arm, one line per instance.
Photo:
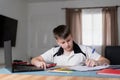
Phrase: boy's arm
(103, 61)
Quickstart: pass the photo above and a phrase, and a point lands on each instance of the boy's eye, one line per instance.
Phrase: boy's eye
(63, 42)
(68, 40)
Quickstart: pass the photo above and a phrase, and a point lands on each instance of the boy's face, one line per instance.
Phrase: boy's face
(66, 44)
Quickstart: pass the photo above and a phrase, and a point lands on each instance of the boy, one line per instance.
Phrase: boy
(68, 53)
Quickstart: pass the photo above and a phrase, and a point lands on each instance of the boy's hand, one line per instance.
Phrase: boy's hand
(91, 63)
(40, 64)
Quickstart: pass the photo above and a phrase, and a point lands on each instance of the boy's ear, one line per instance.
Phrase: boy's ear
(57, 42)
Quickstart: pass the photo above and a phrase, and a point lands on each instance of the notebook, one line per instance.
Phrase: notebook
(86, 68)
(19, 66)
(115, 72)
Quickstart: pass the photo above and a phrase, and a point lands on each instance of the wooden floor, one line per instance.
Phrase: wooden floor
(37, 77)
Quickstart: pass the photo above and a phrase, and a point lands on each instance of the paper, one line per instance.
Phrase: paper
(86, 68)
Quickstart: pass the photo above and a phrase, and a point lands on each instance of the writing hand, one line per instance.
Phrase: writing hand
(91, 63)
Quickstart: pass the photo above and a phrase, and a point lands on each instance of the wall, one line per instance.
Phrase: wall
(44, 16)
(16, 9)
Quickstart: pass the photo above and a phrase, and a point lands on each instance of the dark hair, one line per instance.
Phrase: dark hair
(61, 31)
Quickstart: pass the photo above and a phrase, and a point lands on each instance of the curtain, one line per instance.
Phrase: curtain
(73, 20)
(110, 27)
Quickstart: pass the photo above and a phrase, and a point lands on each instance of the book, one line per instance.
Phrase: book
(115, 72)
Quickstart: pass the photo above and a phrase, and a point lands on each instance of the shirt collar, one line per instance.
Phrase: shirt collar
(76, 50)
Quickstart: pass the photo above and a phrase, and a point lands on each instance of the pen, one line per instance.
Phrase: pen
(93, 50)
(90, 61)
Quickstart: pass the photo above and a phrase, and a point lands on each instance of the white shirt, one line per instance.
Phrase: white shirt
(71, 59)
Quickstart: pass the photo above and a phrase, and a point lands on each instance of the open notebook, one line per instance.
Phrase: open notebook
(86, 68)
(19, 66)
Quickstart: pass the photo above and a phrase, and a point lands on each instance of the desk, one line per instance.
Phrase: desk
(39, 77)
(43, 75)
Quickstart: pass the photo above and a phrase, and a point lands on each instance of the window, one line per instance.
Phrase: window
(92, 27)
